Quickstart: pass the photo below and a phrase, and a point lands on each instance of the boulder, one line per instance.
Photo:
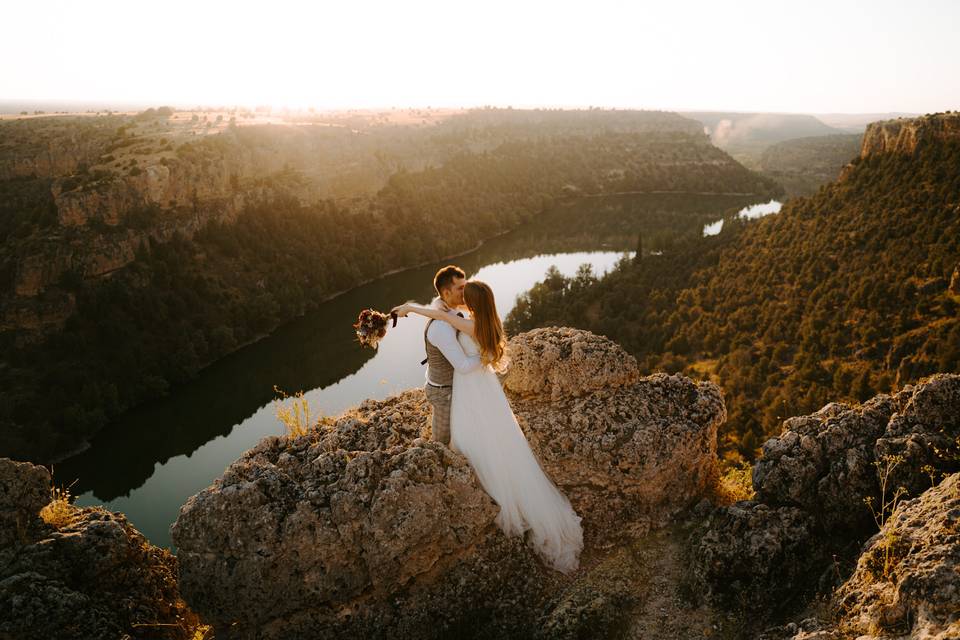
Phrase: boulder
(812, 484)
(823, 463)
(560, 363)
(922, 439)
(751, 556)
(637, 453)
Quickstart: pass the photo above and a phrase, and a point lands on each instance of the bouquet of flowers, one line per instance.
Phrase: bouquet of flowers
(371, 326)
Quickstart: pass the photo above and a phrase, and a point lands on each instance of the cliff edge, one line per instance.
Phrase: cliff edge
(906, 135)
(365, 527)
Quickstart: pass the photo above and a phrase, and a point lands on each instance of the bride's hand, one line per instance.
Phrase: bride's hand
(401, 310)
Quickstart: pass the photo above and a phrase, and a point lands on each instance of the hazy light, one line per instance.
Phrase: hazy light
(746, 55)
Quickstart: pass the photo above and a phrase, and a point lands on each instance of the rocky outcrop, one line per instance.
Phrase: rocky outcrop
(827, 463)
(52, 146)
(366, 528)
(812, 483)
(906, 135)
(823, 463)
(106, 202)
(24, 490)
(81, 573)
(540, 364)
(609, 436)
(751, 544)
(907, 581)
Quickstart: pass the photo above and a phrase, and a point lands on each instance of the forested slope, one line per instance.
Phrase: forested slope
(852, 291)
(212, 283)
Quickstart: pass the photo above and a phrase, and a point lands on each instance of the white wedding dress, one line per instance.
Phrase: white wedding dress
(485, 431)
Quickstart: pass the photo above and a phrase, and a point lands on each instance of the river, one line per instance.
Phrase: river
(154, 457)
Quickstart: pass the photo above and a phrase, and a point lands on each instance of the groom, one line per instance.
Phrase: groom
(444, 353)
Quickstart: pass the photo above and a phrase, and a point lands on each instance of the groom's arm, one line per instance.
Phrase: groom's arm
(443, 337)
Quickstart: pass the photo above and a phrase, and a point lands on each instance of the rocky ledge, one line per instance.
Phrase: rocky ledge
(364, 527)
(905, 135)
(80, 573)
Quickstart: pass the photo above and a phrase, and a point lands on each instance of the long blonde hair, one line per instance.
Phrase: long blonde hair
(487, 327)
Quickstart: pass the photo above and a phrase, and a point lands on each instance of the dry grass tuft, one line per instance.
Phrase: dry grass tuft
(202, 632)
(60, 511)
(296, 417)
(735, 483)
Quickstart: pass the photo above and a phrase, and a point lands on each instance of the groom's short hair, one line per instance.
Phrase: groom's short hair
(445, 277)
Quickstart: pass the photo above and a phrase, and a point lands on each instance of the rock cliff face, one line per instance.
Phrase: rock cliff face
(106, 207)
(367, 528)
(81, 574)
(811, 485)
(904, 135)
(185, 199)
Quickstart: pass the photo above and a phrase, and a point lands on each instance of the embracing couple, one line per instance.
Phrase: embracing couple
(471, 414)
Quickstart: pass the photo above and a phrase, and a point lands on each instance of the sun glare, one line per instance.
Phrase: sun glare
(335, 55)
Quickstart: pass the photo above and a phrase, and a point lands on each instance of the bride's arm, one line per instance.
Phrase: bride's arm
(460, 324)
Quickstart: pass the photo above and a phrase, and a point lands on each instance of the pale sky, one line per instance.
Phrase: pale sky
(811, 56)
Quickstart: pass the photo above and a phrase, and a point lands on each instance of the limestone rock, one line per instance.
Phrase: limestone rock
(327, 532)
(811, 484)
(305, 531)
(24, 490)
(907, 581)
(639, 452)
(825, 462)
(904, 135)
(756, 557)
(563, 362)
(93, 577)
(107, 203)
(924, 435)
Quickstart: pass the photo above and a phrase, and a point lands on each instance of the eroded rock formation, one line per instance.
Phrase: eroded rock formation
(80, 573)
(904, 135)
(812, 485)
(366, 528)
(907, 581)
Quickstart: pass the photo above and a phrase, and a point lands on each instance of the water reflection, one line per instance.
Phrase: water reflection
(152, 459)
(749, 212)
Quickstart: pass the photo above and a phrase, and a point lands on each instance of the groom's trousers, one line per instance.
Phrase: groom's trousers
(440, 398)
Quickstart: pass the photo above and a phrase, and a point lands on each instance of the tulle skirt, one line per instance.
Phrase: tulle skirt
(484, 430)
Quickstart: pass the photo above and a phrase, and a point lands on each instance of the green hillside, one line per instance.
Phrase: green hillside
(852, 291)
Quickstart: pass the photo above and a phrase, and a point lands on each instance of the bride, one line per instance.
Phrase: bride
(485, 431)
